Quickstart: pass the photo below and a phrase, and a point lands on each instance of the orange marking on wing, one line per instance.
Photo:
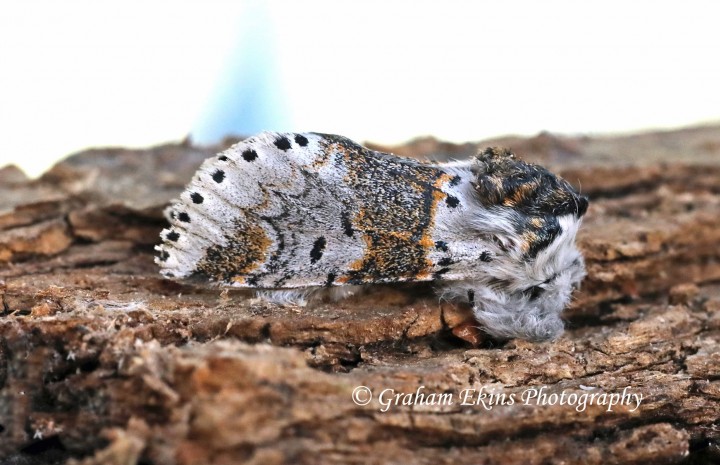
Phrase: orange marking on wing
(442, 180)
(378, 257)
(244, 253)
(438, 196)
(325, 156)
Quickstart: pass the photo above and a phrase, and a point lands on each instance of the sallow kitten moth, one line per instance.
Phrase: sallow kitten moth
(289, 213)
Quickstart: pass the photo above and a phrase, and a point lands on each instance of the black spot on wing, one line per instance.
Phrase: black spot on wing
(485, 256)
(218, 176)
(172, 236)
(317, 251)
(249, 155)
(279, 282)
(455, 181)
(441, 245)
(196, 198)
(346, 224)
(222, 158)
(471, 296)
(301, 140)
(184, 217)
(452, 201)
(445, 261)
(438, 274)
(164, 255)
(282, 143)
(330, 279)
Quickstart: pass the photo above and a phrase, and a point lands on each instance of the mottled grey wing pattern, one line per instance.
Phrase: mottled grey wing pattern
(296, 210)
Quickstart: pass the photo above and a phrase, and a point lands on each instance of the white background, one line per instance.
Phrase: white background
(76, 74)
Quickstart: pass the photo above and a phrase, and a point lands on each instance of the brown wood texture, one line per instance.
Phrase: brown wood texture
(104, 362)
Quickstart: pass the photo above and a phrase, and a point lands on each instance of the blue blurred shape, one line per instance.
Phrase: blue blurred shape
(247, 97)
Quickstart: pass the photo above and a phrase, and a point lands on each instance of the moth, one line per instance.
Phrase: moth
(290, 213)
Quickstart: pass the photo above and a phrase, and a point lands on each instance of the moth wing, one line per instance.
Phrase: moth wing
(268, 212)
(296, 210)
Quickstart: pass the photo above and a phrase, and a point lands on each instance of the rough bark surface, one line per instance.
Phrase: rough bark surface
(104, 362)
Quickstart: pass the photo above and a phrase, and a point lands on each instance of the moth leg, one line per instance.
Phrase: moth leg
(298, 298)
(309, 295)
(337, 293)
